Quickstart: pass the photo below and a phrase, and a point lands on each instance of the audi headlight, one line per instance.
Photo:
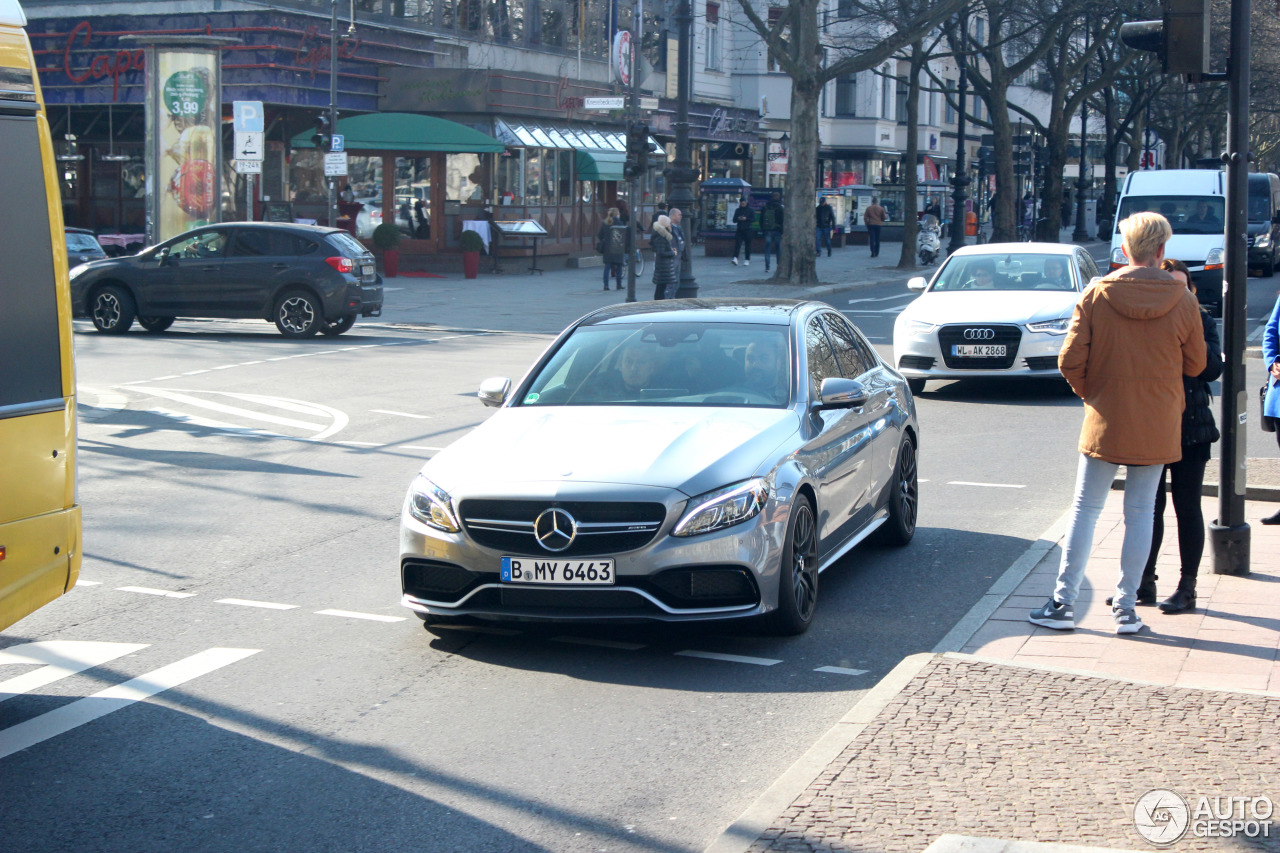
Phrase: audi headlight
(723, 508)
(432, 505)
(1213, 261)
(919, 327)
(1263, 241)
(1051, 327)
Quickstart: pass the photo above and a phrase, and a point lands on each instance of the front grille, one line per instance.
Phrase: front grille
(622, 600)
(435, 580)
(916, 362)
(1042, 362)
(1010, 336)
(712, 586)
(604, 527)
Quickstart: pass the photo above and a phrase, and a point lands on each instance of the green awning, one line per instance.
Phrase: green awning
(407, 132)
(600, 165)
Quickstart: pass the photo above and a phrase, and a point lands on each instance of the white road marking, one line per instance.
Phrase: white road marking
(64, 719)
(210, 423)
(146, 590)
(61, 658)
(729, 658)
(244, 602)
(81, 582)
(401, 414)
(1257, 333)
(247, 363)
(190, 373)
(985, 485)
(841, 670)
(419, 447)
(224, 367)
(350, 614)
(604, 644)
(163, 378)
(315, 409)
(360, 443)
(215, 406)
(883, 298)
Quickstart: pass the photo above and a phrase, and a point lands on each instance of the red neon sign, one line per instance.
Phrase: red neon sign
(104, 64)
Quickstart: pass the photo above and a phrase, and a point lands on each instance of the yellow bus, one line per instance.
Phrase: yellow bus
(39, 513)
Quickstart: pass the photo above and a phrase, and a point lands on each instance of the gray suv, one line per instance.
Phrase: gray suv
(303, 278)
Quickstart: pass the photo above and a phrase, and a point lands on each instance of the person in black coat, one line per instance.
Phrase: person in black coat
(742, 219)
(612, 247)
(1187, 475)
(664, 259)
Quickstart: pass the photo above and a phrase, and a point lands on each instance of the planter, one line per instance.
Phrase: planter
(391, 262)
(471, 264)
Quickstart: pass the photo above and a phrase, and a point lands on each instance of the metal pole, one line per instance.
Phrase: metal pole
(1229, 534)
(680, 174)
(960, 180)
(633, 110)
(1080, 234)
(333, 104)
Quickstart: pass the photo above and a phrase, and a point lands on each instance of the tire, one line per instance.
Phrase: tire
(332, 330)
(904, 498)
(297, 314)
(916, 386)
(797, 573)
(155, 325)
(112, 310)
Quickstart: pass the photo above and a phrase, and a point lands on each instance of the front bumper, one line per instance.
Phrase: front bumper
(921, 356)
(728, 574)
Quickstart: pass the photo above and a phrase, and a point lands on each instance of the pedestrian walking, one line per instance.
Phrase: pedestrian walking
(771, 227)
(826, 219)
(1271, 357)
(873, 217)
(662, 242)
(611, 244)
(678, 241)
(742, 235)
(1133, 336)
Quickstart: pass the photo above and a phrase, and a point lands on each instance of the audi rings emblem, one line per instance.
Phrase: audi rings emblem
(979, 334)
(555, 529)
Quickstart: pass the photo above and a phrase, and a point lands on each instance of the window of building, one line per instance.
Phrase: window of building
(844, 10)
(951, 110)
(713, 37)
(847, 95)
(886, 93)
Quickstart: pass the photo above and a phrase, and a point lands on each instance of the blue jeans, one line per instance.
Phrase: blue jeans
(873, 239)
(772, 243)
(823, 236)
(1093, 481)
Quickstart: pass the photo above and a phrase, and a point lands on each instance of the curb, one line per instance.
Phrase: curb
(755, 821)
(1269, 494)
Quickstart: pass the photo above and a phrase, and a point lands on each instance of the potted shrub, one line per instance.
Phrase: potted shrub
(472, 245)
(387, 237)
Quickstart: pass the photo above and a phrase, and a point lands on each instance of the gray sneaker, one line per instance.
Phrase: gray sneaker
(1127, 620)
(1053, 615)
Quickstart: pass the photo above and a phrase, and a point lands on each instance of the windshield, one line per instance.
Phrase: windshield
(1191, 214)
(77, 242)
(667, 364)
(1260, 207)
(1021, 271)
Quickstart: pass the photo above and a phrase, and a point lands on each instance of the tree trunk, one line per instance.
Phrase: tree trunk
(1004, 221)
(910, 224)
(1057, 137)
(796, 261)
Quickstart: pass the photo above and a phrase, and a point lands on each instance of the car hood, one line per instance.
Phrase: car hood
(999, 306)
(692, 450)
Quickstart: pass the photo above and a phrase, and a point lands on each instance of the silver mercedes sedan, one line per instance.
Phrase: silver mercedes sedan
(669, 461)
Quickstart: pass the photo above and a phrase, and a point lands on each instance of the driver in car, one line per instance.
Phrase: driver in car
(1055, 275)
(982, 276)
(766, 370)
(637, 364)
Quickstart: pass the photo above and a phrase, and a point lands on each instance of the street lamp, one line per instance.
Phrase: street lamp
(680, 174)
(960, 180)
(1080, 234)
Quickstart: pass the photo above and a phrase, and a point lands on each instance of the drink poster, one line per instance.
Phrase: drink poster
(186, 134)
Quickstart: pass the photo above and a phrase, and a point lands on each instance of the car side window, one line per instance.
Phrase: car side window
(300, 245)
(851, 355)
(1087, 267)
(202, 246)
(251, 243)
(822, 359)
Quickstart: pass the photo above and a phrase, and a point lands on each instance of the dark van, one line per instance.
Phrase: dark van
(1264, 222)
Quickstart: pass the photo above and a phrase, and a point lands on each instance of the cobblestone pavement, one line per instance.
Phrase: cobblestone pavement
(995, 750)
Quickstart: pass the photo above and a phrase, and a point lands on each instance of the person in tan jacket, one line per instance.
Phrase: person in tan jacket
(1133, 336)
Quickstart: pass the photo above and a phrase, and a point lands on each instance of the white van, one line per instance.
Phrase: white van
(1194, 202)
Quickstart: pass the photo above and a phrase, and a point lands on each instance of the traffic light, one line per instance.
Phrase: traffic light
(1180, 38)
(323, 137)
(637, 149)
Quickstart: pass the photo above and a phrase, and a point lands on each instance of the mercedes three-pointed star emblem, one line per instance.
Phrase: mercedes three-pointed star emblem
(555, 529)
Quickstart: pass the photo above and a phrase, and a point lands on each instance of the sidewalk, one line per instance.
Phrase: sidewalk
(1034, 735)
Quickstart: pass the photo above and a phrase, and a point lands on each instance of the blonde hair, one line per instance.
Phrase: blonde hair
(1144, 235)
(612, 216)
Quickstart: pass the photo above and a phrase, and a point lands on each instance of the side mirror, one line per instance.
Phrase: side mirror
(917, 283)
(493, 391)
(841, 394)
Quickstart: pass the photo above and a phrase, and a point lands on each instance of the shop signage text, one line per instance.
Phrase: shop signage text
(312, 50)
(104, 64)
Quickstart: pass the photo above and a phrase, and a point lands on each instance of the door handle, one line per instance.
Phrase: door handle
(279, 266)
(208, 269)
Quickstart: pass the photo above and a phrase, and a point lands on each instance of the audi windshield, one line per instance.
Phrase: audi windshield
(667, 364)
(1006, 271)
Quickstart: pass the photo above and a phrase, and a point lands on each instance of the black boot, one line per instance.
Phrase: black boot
(1274, 518)
(1146, 593)
(1183, 598)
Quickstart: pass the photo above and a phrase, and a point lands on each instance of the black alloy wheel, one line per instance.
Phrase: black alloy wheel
(298, 314)
(112, 310)
(904, 498)
(155, 325)
(332, 330)
(798, 574)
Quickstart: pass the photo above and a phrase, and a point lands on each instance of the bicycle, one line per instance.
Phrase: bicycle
(639, 264)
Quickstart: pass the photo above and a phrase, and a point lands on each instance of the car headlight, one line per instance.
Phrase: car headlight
(723, 508)
(1263, 241)
(432, 505)
(1118, 259)
(919, 327)
(1213, 260)
(1052, 327)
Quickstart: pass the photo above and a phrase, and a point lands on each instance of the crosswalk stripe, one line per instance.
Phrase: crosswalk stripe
(61, 658)
(841, 670)
(729, 658)
(211, 423)
(61, 720)
(234, 410)
(146, 590)
(351, 614)
(245, 602)
(313, 409)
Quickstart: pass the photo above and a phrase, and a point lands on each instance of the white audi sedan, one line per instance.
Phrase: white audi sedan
(997, 310)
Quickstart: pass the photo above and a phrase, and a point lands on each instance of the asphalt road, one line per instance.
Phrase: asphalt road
(241, 495)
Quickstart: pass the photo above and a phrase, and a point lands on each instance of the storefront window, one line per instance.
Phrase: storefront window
(533, 176)
(510, 168)
(551, 176)
(413, 196)
(566, 176)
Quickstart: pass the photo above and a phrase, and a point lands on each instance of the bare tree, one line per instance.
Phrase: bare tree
(795, 41)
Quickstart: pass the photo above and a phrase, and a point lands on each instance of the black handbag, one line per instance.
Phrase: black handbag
(1268, 423)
